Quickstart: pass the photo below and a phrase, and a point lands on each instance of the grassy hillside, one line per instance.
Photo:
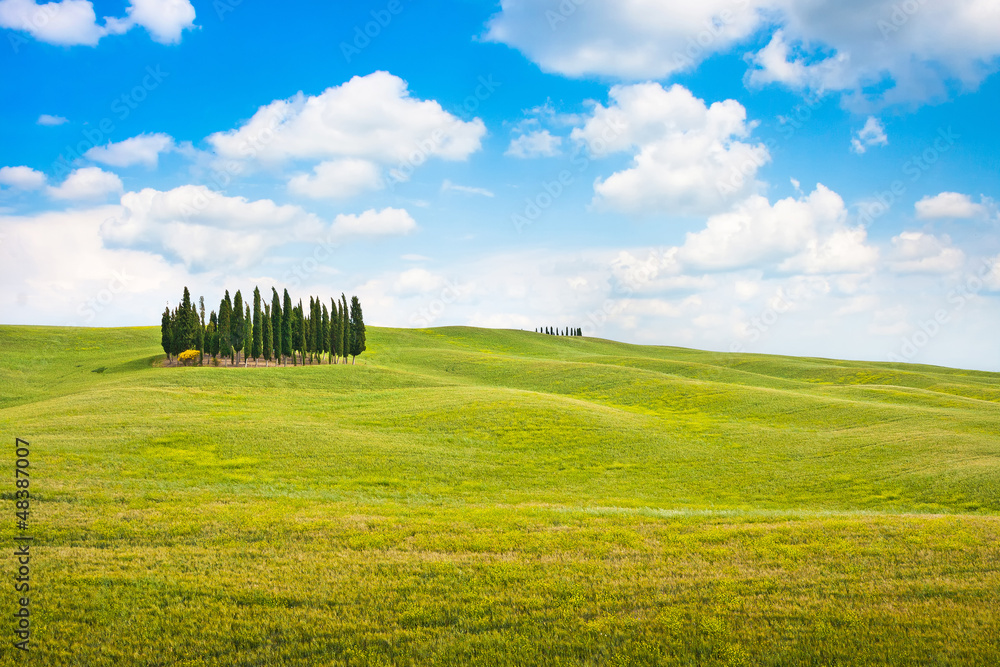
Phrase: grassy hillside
(467, 496)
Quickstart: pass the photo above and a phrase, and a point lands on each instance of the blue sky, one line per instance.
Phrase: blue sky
(778, 176)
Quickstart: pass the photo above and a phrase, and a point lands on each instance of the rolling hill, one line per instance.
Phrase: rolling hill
(470, 496)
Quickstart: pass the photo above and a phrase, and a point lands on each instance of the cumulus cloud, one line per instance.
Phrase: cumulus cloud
(165, 20)
(144, 149)
(338, 179)
(204, 229)
(917, 252)
(540, 143)
(631, 39)
(872, 134)
(22, 178)
(49, 120)
(73, 22)
(89, 183)
(60, 272)
(688, 157)
(370, 118)
(801, 233)
(905, 52)
(372, 223)
(949, 205)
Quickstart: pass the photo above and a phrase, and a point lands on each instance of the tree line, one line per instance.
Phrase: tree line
(278, 331)
(555, 331)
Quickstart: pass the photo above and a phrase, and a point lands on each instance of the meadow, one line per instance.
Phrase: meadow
(481, 497)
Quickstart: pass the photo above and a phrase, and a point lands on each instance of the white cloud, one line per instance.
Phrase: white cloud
(61, 273)
(448, 185)
(144, 149)
(46, 119)
(165, 20)
(800, 231)
(372, 223)
(540, 143)
(919, 48)
(88, 183)
(917, 252)
(73, 22)
(906, 52)
(338, 179)
(872, 134)
(22, 178)
(205, 229)
(417, 281)
(688, 157)
(949, 205)
(370, 117)
(631, 39)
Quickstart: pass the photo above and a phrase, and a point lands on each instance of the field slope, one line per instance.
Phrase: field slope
(479, 497)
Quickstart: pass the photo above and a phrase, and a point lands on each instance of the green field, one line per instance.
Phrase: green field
(477, 497)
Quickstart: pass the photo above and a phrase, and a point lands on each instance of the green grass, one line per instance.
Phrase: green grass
(480, 497)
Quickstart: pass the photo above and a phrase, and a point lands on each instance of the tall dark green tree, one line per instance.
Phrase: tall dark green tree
(316, 321)
(166, 333)
(345, 321)
(237, 324)
(212, 336)
(268, 336)
(324, 332)
(276, 324)
(247, 333)
(258, 328)
(286, 327)
(226, 328)
(335, 331)
(300, 318)
(201, 331)
(357, 329)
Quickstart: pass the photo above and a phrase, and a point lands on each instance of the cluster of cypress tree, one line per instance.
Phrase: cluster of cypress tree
(278, 331)
(554, 331)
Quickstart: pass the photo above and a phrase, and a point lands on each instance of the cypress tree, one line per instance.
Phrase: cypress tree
(166, 331)
(237, 324)
(201, 331)
(324, 331)
(276, 324)
(316, 317)
(300, 320)
(357, 329)
(225, 328)
(258, 330)
(345, 325)
(268, 336)
(286, 327)
(212, 335)
(334, 333)
(247, 334)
